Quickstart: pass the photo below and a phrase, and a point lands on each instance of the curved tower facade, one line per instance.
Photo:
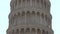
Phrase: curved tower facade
(30, 17)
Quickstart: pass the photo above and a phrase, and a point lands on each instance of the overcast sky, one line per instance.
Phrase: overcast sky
(5, 10)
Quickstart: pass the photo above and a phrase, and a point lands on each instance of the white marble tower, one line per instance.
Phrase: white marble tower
(30, 17)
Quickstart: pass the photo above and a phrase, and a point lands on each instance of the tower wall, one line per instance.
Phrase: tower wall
(30, 17)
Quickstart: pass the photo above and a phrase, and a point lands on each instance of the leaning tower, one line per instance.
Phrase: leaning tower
(30, 17)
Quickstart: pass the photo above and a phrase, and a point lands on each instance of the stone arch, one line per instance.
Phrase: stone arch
(33, 30)
(28, 12)
(17, 31)
(15, 14)
(42, 15)
(33, 12)
(38, 31)
(27, 30)
(23, 13)
(38, 13)
(22, 31)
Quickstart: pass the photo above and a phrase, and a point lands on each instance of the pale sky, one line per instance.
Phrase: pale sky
(5, 10)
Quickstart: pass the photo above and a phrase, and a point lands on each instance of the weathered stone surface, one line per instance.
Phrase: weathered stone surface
(30, 17)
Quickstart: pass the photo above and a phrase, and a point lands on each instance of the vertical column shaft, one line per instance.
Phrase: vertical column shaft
(21, 3)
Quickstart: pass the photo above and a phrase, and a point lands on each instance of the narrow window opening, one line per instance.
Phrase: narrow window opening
(38, 31)
(17, 31)
(22, 29)
(38, 13)
(42, 15)
(23, 13)
(27, 30)
(33, 29)
(28, 12)
(33, 12)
